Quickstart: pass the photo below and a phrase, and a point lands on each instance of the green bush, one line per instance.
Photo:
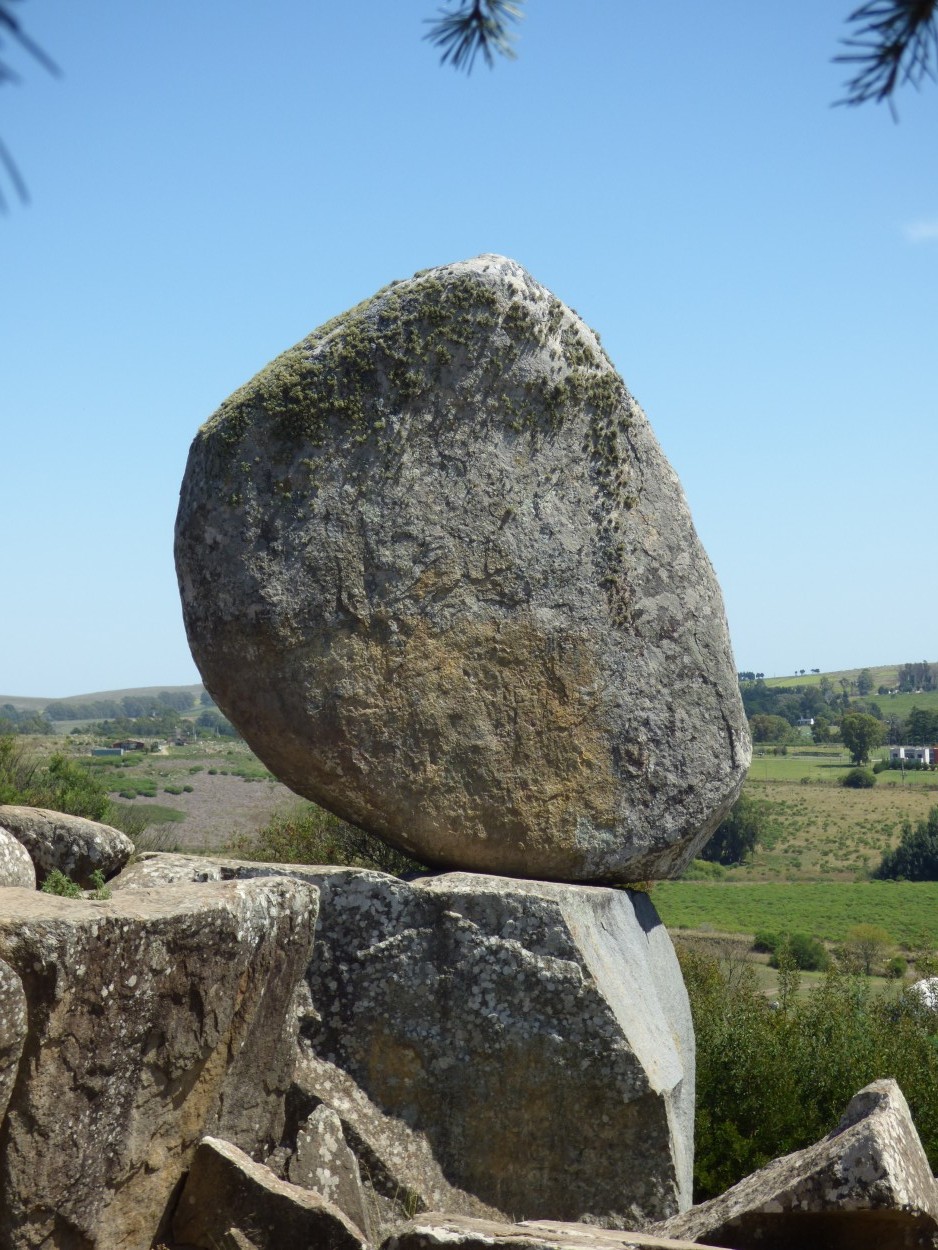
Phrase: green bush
(807, 953)
(310, 835)
(765, 942)
(61, 784)
(58, 883)
(858, 779)
(897, 967)
(770, 1081)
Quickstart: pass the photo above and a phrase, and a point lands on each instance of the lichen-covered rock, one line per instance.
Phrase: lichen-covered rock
(16, 868)
(153, 1017)
(494, 1046)
(73, 845)
(866, 1185)
(436, 569)
(442, 1231)
(13, 1024)
(228, 1195)
(322, 1161)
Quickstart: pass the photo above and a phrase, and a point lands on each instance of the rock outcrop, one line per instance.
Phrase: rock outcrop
(866, 1185)
(153, 1018)
(436, 569)
(73, 845)
(16, 868)
(439, 1231)
(322, 1161)
(229, 1197)
(494, 1045)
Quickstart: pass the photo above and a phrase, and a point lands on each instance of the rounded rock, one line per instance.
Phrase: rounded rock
(436, 569)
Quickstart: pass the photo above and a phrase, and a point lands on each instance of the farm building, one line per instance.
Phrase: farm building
(922, 755)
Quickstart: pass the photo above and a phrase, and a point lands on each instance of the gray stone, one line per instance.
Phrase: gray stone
(73, 845)
(866, 1186)
(491, 1045)
(229, 1196)
(436, 569)
(436, 1231)
(13, 1028)
(323, 1162)
(16, 868)
(154, 1017)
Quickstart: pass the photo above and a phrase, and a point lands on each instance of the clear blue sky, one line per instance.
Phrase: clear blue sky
(210, 181)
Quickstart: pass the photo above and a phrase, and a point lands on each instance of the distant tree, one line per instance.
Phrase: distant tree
(916, 856)
(769, 728)
(739, 833)
(918, 676)
(206, 700)
(864, 947)
(861, 733)
(821, 730)
(921, 726)
(178, 700)
(864, 682)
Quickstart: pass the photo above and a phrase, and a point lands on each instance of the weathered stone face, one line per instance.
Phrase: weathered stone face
(436, 569)
(492, 1045)
(152, 1018)
(16, 868)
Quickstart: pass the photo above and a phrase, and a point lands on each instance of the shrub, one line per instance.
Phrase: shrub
(58, 883)
(62, 784)
(807, 953)
(858, 779)
(310, 835)
(772, 1081)
(765, 942)
(897, 967)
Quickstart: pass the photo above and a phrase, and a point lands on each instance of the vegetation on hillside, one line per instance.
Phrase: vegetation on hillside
(916, 856)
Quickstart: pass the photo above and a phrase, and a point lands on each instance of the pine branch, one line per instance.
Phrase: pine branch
(894, 42)
(477, 26)
(11, 28)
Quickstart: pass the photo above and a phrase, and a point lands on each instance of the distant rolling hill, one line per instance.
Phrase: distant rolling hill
(35, 704)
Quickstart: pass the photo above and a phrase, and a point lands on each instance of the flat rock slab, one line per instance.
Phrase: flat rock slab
(152, 1018)
(436, 569)
(496, 1045)
(73, 845)
(16, 867)
(436, 1230)
(230, 1199)
(865, 1186)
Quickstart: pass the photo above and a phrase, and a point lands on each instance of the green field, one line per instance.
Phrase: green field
(822, 909)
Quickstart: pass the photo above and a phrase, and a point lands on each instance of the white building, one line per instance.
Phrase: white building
(923, 755)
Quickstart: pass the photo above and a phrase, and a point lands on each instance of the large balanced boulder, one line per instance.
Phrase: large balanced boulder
(867, 1186)
(73, 845)
(493, 1046)
(153, 1018)
(437, 570)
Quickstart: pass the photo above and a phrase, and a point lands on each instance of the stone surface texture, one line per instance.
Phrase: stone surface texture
(228, 1197)
(493, 1045)
(75, 846)
(322, 1161)
(437, 570)
(436, 1230)
(153, 1017)
(867, 1186)
(16, 867)
(13, 1026)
